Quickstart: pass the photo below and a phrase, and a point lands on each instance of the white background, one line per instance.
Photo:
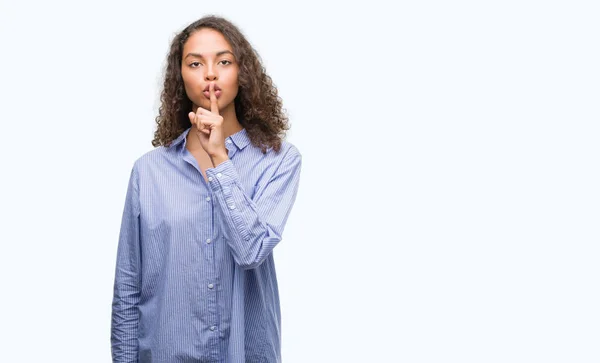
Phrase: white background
(449, 203)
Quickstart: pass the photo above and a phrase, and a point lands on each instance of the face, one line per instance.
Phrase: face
(208, 57)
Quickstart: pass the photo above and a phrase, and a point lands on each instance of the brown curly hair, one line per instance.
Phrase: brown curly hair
(257, 104)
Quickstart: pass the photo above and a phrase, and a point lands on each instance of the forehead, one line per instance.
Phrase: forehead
(206, 41)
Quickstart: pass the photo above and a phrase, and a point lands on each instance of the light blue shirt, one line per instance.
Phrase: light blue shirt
(195, 279)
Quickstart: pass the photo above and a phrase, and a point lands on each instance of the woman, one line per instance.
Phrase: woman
(195, 279)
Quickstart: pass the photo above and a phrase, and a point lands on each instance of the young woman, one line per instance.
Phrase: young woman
(195, 279)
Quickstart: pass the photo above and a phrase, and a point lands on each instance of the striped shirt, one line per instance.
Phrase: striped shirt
(195, 279)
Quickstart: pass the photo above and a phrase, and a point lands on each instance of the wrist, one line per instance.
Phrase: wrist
(218, 158)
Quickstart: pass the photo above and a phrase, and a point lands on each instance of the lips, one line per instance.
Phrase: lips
(206, 91)
(207, 88)
(207, 94)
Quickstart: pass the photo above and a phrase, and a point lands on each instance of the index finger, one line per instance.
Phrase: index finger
(214, 108)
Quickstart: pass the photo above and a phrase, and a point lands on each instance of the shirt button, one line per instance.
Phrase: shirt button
(210, 178)
(208, 199)
(208, 241)
(232, 206)
(213, 328)
(228, 141)
(219, 175)
(210, 286)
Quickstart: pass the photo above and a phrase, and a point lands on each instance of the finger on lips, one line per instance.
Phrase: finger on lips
(204, 119)
(214, 108)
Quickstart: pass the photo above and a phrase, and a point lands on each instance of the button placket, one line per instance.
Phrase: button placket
(208, 241)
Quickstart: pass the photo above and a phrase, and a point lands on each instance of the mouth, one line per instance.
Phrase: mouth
(207, 88)
(206, 91)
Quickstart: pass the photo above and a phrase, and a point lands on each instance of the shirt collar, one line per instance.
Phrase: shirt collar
(180, 139)
(240, 139)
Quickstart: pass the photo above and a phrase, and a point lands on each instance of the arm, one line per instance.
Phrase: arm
(124, 329)
(255, 226)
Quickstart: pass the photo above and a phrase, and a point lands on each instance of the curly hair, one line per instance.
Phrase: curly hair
(257, 104)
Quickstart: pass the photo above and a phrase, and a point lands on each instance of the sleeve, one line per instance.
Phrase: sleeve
(124, 325)
(255, 226)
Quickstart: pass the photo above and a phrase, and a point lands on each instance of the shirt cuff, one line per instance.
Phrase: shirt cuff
(223, 175)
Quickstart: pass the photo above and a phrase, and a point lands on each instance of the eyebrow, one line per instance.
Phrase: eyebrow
(198, 55)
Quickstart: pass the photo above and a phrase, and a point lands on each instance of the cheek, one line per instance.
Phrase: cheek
(190, 80)
(232, 84)
(235, 87)
(186, 85)
(233, 77)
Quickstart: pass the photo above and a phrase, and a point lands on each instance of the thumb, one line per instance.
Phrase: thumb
(192, 117)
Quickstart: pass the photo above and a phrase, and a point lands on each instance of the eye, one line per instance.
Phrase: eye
(225, 60)
(194, 64)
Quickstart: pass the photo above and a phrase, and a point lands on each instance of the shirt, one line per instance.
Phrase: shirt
(195, 278)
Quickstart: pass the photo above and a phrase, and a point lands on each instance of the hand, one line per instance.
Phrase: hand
(209, 127)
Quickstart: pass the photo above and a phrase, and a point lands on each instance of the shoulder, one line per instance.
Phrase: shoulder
(288, 156)
(289, 151)
(291, 154)
(286, 152)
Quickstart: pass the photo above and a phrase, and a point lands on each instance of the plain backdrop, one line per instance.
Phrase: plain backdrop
(448, 207)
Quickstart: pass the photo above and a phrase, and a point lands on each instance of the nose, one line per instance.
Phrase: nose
(210, 75)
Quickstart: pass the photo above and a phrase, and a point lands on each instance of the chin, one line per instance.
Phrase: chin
(222, 106)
